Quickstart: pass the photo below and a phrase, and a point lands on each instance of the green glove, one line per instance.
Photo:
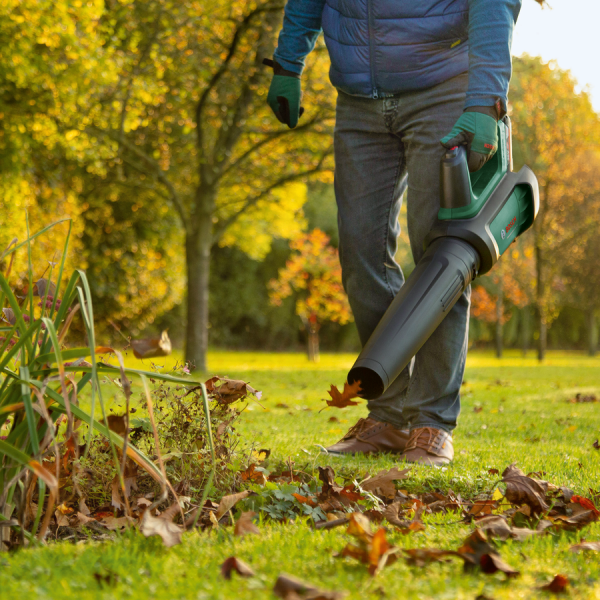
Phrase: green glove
(285, 94)
(476, 129)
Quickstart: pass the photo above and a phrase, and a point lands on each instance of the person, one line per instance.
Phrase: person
(409, 74)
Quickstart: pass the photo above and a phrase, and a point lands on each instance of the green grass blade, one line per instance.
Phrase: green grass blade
(29, 412)
(35, 235)
(14, 304)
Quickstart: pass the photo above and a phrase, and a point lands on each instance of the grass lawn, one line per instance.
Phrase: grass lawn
(524, 417)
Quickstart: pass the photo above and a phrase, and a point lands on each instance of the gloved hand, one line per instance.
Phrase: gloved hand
(285, 94)
(476, 129)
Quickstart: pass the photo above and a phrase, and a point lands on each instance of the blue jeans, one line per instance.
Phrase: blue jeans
(383, 147)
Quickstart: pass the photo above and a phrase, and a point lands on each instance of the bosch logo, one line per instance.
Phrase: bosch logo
(503, 234)
(511, 225)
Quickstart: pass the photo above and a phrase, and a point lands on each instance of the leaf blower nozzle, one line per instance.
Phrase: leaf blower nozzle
(480, 215)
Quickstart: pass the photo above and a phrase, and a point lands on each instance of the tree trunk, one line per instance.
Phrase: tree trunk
(313, 345)
(499, 315)
(197, 246)
(541, 304)
(592, 333)
(525, 330)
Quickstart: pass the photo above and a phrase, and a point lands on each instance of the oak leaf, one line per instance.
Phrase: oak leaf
(163, 525)
(343, 399)
(382, 483)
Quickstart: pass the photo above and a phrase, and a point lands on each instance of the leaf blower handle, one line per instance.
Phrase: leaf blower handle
(455, 184)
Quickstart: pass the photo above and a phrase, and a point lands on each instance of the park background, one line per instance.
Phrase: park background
(146, 123)
(193, 210)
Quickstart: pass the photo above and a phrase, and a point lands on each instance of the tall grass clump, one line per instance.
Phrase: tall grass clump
(41, 380)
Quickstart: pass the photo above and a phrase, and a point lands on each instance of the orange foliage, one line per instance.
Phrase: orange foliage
(314, 273)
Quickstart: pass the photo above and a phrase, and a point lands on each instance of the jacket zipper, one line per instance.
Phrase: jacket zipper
(372, 48)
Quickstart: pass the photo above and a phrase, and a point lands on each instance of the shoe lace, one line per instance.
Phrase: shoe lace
(422, 438)
(356, 429)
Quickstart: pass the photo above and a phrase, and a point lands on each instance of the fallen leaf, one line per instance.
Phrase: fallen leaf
(232, 564)
(251, 474)
(581, 398)
(227, 391)
(244, 524)
(596, 445)
(493, 472)
(587, 504)
(84, 519)
(163, 526)
(521, 489)
(116, 423)
(291, 588)
(496, 526)
(392, 516)
(153, 347)
(372, 549)
(305, 500)
(419, 557)
(62, 520)
(228, 502)
(383, 482)
(575, 522)
(558, 585)
(477, 552)
(585, 546)
(114, 523)
(483, 507)
(115, 488)
(343, 399)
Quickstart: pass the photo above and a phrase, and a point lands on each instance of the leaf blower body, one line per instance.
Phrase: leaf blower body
(480, 215)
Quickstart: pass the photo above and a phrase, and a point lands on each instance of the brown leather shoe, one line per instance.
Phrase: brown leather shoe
(429, 446)
(369, 436)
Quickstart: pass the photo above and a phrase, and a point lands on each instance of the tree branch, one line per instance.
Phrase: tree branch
(220, 230)
(154, 167)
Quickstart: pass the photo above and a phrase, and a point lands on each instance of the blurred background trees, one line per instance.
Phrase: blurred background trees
(146, 122)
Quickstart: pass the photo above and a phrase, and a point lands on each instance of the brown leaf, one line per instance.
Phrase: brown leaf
(392, 515)
(8, 315)
(477, 552)
(585, 546)
(372, 549)
(84, 519)
(521, 489)
(227, 391)
(245, 526)
(575, 522)
(116, 423)
(114, 523)
(232, 564)
(291, 588)
(251, 474)
(153, 347)
(115, 488)
(581, 398)
(343, 399)
(39, 288)
(596, 445)
(163, 526)
(62, 520)
(419, 557)
(383, 482)
(558, 585)
(483, 507)
(228, 502)
(496, 526)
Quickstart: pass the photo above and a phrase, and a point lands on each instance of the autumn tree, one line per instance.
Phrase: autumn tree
(314, 275)
(185, 119)
(554, 128)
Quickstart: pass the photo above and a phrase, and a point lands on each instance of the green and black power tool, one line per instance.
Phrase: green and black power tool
(480, 215)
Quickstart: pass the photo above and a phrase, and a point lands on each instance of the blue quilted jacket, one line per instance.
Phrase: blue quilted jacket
(385, 47)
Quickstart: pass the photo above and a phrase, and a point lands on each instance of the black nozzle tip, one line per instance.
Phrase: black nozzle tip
(371, 384)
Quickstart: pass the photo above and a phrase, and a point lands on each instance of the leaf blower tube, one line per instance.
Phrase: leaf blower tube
(481, 214)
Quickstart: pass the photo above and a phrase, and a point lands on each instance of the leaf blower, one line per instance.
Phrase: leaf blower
(480, 215)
